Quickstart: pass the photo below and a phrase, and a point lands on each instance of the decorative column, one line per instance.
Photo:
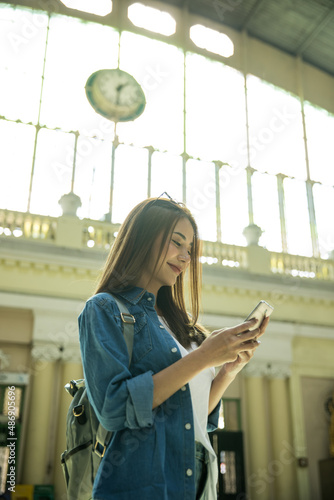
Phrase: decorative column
(271, 453)
(43, 376)
(283, 463)
(257, 434)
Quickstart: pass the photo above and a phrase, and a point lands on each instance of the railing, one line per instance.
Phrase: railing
(87, 233)
(28, 226)
(97, 234)
(305, 267)
(217, 253)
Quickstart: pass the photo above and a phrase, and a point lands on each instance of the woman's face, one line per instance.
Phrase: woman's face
(175, 261)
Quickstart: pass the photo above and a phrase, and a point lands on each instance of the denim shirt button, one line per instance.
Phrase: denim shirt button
(174, 349)
(183, 388)
(161, 326)
(188, 426)
(189, 472)
(149, 299)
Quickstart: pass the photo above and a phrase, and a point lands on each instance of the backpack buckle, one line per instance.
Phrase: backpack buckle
(97, 449)
(128, 318)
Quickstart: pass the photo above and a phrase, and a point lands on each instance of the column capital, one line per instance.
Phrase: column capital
(46, 351)
(268, 369)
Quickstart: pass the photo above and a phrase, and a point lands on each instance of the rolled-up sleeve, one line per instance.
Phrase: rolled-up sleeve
(213, 419)
(119, 400)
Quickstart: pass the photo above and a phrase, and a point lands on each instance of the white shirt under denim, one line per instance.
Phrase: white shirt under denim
(200, 387)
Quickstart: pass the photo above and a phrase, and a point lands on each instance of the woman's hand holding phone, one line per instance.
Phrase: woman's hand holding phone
(233, 348)
(228, 344)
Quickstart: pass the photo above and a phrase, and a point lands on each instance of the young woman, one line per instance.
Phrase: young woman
(162, 405)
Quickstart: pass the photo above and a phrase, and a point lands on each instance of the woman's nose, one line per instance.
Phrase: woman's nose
(184, 256)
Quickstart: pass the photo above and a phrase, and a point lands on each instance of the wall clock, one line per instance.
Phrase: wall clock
(115, 94)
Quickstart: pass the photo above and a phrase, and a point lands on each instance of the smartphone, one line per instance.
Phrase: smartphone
(261, 311)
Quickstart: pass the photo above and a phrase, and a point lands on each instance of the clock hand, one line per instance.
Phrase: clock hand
(121, 86)
(119, 89)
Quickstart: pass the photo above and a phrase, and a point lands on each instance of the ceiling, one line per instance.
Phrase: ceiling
(298, 27)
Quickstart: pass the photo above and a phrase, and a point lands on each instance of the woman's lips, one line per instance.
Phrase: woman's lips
(174, 268)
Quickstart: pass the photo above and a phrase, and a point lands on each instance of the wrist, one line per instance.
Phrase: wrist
(203, 358)
(227, 374)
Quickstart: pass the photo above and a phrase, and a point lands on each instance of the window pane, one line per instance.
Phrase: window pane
(166, 175)
(212, 40)
(151, 19)
(22, 41)
(215, 111)
(16, 154)
(99, 7)
(297, 218)
(53, 171)
(92, 177)
(234, 205)
(131, 166)
(324, 206)
(266, 210)
(275, 130)
(320, 144)
(158, 67)
(201, 197)
(75, 50)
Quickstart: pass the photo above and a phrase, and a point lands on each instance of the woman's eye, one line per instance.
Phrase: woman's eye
(178, 244)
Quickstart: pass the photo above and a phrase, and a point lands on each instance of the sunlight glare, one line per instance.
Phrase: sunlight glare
(151, 19)
(212, 40)
(98, 7)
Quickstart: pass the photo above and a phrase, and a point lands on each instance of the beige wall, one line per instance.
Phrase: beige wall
(16, 326)
(299, 342)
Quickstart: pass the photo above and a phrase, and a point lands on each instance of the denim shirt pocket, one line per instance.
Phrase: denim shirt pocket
(142, 342)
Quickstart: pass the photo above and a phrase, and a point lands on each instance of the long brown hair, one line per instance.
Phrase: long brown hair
(132, 252)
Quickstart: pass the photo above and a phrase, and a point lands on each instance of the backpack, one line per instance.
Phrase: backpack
(86, 438)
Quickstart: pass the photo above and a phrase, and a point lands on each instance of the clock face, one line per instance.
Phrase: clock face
(115, 94)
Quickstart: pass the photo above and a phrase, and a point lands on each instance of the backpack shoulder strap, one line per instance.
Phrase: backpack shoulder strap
(102, 435)
(127, 323)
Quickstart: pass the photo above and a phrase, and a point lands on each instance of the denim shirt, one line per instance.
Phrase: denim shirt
(151, 455)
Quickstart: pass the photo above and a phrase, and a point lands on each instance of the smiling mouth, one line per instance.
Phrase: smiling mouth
(174, 268)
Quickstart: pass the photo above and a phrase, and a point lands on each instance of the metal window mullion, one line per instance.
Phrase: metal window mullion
(281, 204)
(150, 150)
(312, 218)
(250, 172)
(184, 178)
(184, 155)
(249, 169)
(218, 165)
(38, 127)
(32, 168)
(309, 182)
(115, 144)
(76, 135)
